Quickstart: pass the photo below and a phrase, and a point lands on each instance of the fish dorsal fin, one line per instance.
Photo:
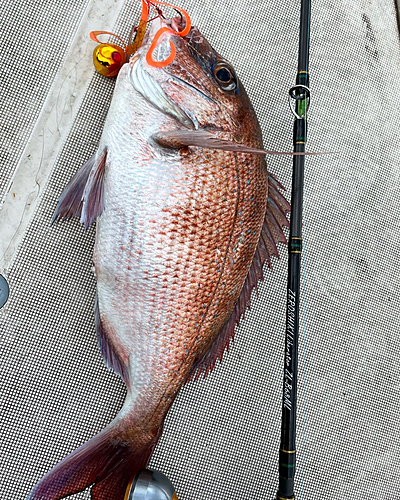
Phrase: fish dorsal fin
(110, 357)
(83, 196)
(271, 234)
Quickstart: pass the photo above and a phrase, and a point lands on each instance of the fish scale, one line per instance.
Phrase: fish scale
(171, 204)
(183, 231)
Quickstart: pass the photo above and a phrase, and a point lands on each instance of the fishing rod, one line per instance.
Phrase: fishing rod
(146, 483)
(152, 485)
(300, 96)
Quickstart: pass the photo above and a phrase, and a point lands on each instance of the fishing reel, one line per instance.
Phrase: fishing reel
(150, 485)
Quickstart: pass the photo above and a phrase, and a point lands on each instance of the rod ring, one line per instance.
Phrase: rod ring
(299, 93)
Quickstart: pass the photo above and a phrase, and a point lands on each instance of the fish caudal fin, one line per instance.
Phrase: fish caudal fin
(106, 461)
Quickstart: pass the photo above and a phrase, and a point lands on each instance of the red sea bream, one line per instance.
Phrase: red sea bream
(186, 217)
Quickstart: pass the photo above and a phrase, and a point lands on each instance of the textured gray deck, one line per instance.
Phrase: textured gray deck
(222, 435)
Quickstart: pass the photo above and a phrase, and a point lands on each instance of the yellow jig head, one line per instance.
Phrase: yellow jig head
(109, 58)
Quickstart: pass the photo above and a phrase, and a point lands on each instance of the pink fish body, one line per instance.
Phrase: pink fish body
(182, 234)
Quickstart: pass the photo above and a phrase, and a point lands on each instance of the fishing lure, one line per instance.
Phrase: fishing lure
(108, 58)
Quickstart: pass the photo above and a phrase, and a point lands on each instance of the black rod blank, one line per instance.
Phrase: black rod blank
(300, 92)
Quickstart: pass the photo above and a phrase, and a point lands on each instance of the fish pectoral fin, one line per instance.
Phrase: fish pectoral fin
(178, 139)
(83, 196)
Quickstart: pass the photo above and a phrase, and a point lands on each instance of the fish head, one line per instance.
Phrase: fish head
(199, 88)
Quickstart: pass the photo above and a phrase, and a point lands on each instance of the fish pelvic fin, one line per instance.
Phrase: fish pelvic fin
(271, 234)
(83, 197)
(107, 462)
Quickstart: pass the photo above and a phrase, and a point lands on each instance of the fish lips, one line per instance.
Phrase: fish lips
(148, 86)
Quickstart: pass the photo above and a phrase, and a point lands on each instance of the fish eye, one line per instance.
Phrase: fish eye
(225, 76)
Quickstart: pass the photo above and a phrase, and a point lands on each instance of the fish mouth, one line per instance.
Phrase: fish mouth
(151, 90)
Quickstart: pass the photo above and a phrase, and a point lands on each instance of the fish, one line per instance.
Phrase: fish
(187, 215)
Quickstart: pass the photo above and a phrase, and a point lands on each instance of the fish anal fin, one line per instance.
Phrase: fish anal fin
(111, 358)
(271, 234)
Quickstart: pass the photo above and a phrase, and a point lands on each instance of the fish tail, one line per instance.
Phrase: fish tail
(108, 462)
